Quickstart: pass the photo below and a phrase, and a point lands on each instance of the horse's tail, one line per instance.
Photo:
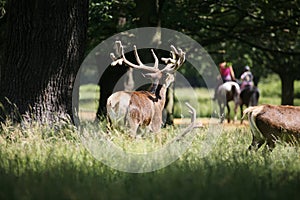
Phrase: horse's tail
(233, 90)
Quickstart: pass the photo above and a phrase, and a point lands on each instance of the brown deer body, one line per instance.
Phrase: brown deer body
(138, 108)
(269, 123)
(143, 108)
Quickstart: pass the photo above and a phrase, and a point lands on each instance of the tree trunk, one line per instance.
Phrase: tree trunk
(107, 83)
(44, 50)
(287, 89)
(149, 14)
(3, 19)
(169, 106)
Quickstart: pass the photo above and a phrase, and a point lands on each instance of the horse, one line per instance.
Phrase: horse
(226, 92)
(249, 97)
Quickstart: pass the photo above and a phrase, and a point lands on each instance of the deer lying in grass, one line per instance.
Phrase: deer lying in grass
(269, 123)
(143, 108)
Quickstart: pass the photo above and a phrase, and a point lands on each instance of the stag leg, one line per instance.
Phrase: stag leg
(271, 141)
(271, 144)
(257, 141)
(133, 123)
(256, 144)
(108, 124)
(133, 128)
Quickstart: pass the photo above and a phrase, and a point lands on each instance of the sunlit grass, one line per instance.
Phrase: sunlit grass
(270, 87)
(89, 98)
(39, 162)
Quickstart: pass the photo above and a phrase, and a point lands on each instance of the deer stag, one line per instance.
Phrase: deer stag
(269, 123)
(143, 108)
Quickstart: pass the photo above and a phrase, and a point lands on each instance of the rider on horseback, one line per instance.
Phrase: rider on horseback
(226, 75)
(226, 71)
(249, 95)
(246, 79)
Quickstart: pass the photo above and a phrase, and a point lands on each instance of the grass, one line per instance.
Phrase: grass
(40, 162)
(89, 97)
(43, 163)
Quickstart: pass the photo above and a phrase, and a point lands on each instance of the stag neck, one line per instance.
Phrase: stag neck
(161, 93)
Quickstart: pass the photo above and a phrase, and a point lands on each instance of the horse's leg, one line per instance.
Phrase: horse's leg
(221, 106)
(236, 104)
(228, 113)
(241, 108)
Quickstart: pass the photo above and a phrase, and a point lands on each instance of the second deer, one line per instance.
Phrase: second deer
(143, 108)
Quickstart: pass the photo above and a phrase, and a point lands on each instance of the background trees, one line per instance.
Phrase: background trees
(42, 44)
(262, 34)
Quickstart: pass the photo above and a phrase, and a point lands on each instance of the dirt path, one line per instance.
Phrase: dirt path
(90, 116)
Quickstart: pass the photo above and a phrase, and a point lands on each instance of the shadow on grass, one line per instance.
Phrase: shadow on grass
(229, 179)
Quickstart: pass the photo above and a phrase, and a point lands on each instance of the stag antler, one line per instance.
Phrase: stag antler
(120, 50)
(173, 64)
(192, 125)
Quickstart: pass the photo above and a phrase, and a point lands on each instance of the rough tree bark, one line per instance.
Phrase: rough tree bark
(44, 50)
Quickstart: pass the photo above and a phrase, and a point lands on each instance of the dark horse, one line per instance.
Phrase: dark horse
(249, 97)
(228, 91)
